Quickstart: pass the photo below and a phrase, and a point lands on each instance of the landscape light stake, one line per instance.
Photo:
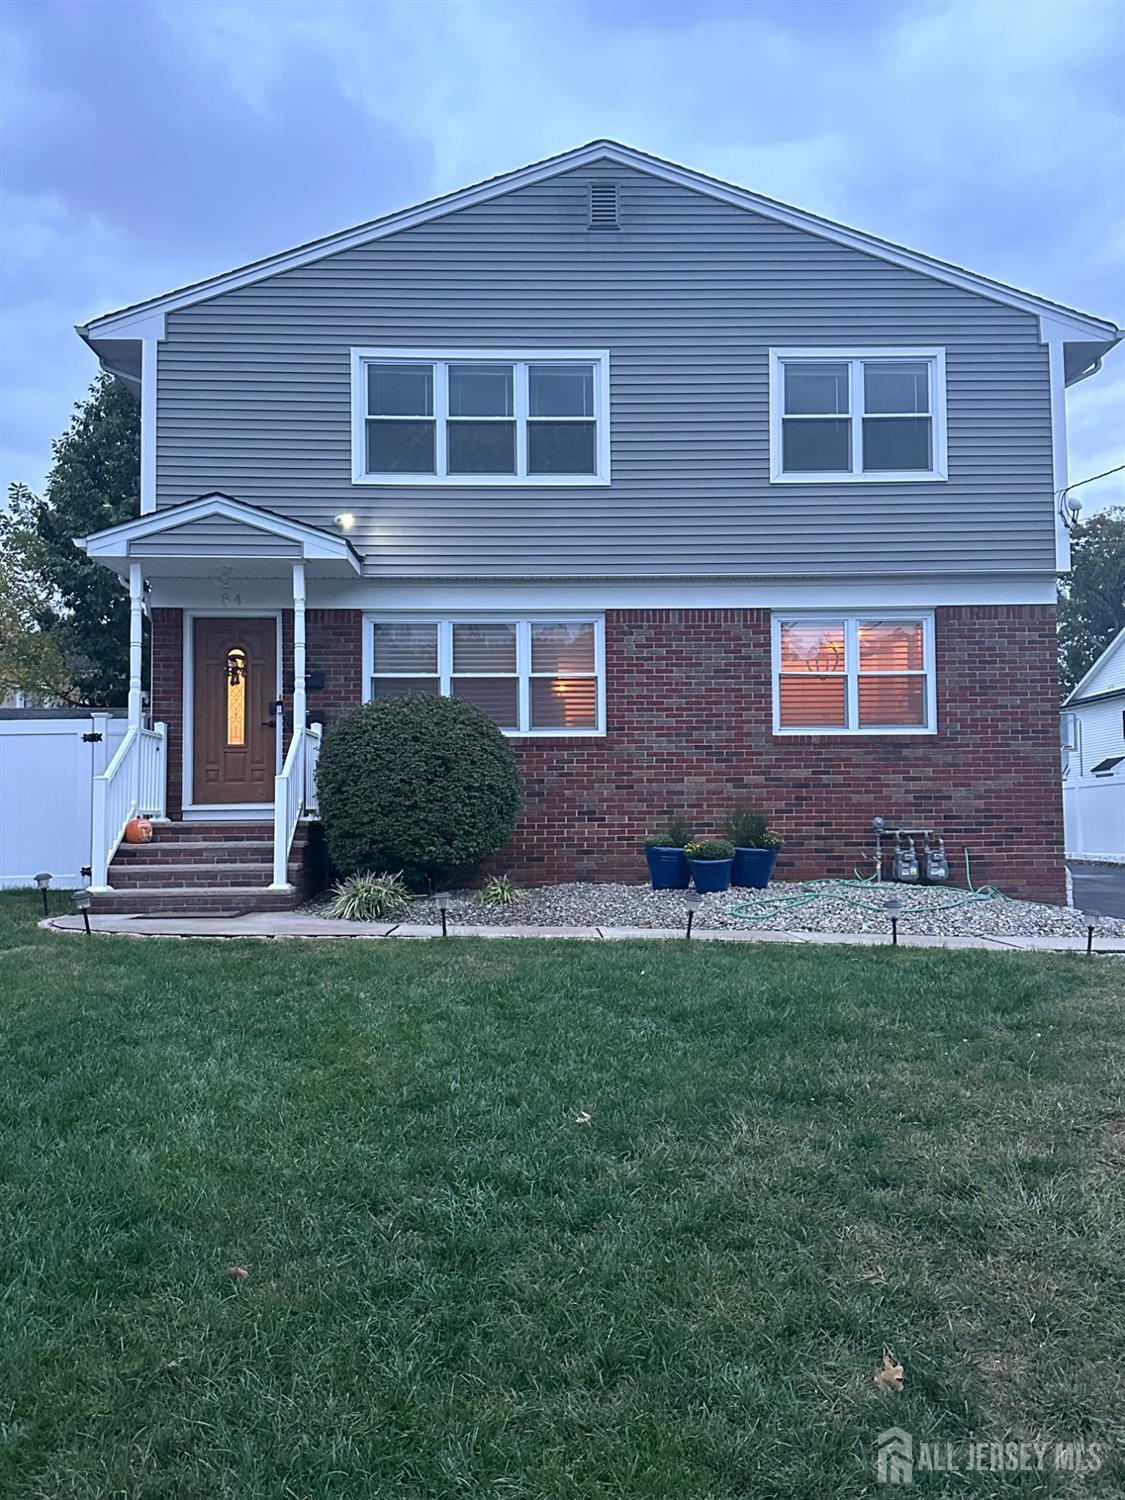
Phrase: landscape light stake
(1091, 919)
(694, 901)
(892, 908)
(43, 881)
(82, 901)
(442, 899)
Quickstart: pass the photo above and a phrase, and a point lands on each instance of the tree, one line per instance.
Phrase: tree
(30, 659)
(1092, 595)
(94, 482)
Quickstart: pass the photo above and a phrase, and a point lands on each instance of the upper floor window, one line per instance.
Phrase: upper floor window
(853, 674)
(862, 414)
(480, 416)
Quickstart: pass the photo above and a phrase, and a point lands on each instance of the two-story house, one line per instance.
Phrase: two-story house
(701, 497)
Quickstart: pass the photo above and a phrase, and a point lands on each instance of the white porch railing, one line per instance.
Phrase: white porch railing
(152, 775)
(294, 792)
(132, 783)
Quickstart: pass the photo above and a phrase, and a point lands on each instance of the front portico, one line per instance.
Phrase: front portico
(242, 750)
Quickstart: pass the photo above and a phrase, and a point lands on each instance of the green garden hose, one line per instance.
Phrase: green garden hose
(765, 908)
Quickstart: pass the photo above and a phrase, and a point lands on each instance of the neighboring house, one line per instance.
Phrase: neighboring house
(1093, 739)
(703, 498)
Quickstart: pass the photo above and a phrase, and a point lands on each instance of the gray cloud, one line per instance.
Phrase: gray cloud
(147, 143)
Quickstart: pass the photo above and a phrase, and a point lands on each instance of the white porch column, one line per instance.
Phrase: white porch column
(136, 614)
(300, 711)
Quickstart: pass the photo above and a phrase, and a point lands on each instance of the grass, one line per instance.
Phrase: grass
(795, 1159)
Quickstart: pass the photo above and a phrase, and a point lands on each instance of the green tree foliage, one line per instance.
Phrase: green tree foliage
(94, 482)
(1092, 595)
(30, 659)
(422, 785)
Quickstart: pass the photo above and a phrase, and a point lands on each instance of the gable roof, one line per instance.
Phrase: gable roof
(145, 318)
(1114, 682)
(312, 542)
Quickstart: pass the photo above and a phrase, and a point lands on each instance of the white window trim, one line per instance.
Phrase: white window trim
(523, 622)
(936, 360)
(851, 620)
(599, 358)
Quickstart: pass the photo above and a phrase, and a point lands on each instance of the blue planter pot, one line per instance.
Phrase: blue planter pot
(667, 868)
(753, 868)
(711, 874)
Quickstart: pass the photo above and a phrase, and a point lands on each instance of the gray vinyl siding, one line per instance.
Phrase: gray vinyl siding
(214, 536)
(254, 395)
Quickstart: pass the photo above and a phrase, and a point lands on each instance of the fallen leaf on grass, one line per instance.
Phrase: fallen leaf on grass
(877, 1277)
(582, 1118)
(890, 1376)
(237, 1273)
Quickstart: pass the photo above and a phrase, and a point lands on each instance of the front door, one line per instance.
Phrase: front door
(235, 687)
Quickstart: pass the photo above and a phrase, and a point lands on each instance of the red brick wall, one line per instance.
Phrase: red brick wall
(689, 732)
(334, 649)
(168, 695)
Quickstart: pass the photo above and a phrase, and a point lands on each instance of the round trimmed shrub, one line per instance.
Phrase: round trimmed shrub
(421, 784)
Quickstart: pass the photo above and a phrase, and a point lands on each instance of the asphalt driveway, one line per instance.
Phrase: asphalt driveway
(1099, 888)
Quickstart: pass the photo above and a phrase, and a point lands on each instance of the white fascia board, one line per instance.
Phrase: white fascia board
(315, 544)
(1069, 322)
(1060, 463)
(445, 596)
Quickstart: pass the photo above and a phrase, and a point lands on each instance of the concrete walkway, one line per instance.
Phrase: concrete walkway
(288, 924)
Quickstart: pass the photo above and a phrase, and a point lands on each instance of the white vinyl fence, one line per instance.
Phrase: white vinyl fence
(48, 761)
(1094, 816)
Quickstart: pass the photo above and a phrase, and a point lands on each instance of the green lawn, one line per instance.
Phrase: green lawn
(795, 1159)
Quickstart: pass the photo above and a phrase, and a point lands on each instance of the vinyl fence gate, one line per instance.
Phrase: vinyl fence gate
(48, 761)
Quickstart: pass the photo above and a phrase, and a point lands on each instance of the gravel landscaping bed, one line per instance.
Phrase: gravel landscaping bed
(782, 908)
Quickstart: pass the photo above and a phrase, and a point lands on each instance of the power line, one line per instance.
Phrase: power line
(1077, 485)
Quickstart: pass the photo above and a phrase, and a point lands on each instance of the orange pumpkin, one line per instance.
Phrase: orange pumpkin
(138, 831)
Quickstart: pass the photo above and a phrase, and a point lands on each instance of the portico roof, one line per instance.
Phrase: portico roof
(215, 530)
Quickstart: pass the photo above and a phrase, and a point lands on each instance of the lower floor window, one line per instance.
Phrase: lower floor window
(530, 676)
(853, 674)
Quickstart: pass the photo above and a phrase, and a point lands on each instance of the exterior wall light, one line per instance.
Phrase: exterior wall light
(43, 880)
(345, 520)
(442, 899)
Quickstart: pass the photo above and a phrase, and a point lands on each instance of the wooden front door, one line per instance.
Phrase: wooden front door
(235, 687)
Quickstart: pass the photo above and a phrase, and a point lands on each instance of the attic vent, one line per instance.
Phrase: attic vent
(603, 205)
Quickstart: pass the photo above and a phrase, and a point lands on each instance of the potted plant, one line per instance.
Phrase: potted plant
(710, 861)
(755, 848)
(667, 864)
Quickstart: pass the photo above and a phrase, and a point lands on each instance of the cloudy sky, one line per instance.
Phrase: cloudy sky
(148, 143)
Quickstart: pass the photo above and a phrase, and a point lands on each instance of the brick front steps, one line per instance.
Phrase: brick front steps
(208, 869)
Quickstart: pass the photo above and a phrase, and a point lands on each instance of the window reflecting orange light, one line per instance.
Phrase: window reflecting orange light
(236, 696)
